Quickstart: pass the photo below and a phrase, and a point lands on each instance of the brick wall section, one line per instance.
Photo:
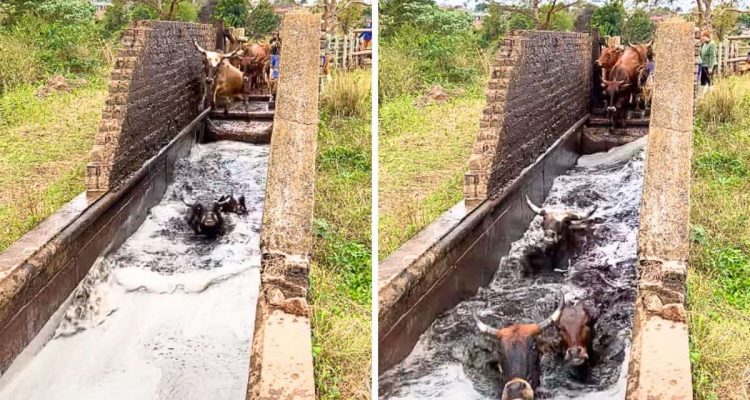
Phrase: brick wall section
(539, 87)
(154, 92)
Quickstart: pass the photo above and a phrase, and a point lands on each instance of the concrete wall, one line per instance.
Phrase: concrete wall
(539, 87)
(281, 362)
(154, 92)
(659, 360)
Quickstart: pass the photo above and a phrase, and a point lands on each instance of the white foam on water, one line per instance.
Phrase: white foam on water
(167, 315)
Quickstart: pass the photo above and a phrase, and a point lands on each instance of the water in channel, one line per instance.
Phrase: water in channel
(452, 361)
(167, 315)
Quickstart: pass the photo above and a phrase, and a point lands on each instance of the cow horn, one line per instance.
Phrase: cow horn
(555, 315)
(186, 203)
(534, 207)
(484, 328)
(199, 48)
(230, 55)
(578, 218)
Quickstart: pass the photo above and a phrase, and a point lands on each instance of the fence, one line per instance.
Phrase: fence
(733, 57)
(347, 51)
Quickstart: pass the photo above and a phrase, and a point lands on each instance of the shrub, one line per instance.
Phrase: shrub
(231, 12)
(262, 20)
(18, 62)
(143, 11)
(186, 11)
(397, 73)
(347, 95)
(721, 104)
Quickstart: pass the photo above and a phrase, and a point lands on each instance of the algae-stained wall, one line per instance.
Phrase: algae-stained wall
(154, 92)
(539, 87)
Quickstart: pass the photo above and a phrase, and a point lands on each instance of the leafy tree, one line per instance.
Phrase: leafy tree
(115, 18)
(725, 20)
(494, 26)
(231, 12)
(262, 20)
(350, 17)
(481, 7)
(143, 11)
(559, 21)
(638, 28)
(520, 22)
(609, 18)
(186, 11)
(744, 19)
(541, 12)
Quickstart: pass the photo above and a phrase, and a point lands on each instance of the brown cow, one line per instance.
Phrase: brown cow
(251, 60)
(576, 326)
(227, 81)
(622, 83)
(609, 57)
(519, 361)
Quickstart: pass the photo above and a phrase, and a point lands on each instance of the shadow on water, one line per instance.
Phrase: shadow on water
(167, 315)
(451, 360)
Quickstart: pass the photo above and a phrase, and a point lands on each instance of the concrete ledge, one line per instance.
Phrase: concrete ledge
(281, 362)
(659, 360)
(598, 139)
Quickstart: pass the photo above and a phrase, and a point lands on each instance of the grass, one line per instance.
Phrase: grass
(44, 146)
(423, 156)
(719, 279)
(341, 274)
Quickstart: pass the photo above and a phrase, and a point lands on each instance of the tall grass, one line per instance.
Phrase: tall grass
(18, 62)
(723, 103)
(347, 94)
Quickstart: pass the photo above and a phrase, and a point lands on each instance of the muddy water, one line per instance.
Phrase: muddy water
(167, 315)
(452, 361)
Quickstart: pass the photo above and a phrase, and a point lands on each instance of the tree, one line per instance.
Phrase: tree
(186, 11)
(231, 12)
(115, 18)
(560, 21)
(262, 20)
(609, 18)
(143, 11)
(541, 14)
(481, 7)
(350, 17)
(638, 28)
(725, 20)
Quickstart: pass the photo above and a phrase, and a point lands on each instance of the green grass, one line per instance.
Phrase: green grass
(719, 278)
(423, 157)
(341, 274)
(44, 146)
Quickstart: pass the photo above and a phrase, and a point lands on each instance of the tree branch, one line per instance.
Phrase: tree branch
(515, 9)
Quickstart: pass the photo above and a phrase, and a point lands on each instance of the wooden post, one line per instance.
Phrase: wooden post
(345, 60)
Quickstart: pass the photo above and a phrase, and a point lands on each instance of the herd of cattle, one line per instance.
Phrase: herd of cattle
(627, 79)
(520, 358)
(234, 75)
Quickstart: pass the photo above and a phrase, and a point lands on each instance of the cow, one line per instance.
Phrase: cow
(622, 83)
(226, 80)
(576, 327)
(205, 222)
(558, 240)
(231, 204)
(519, 358)
(252, 60)
(608, 58)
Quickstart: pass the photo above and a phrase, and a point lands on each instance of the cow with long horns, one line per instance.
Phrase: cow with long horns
(558, 240)
(203, 221)
(519, 358)
(225, 79)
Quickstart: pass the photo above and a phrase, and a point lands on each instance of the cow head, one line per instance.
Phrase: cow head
(211, 60)
(205, 221)
(556, 223)
(609, 56)
(519, 361)
(576, 330)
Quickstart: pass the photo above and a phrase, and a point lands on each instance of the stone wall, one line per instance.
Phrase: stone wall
(539, 87)
(659, 359)
(154, 92)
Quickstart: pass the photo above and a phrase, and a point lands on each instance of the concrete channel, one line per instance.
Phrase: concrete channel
(153, 146)
(529, 136)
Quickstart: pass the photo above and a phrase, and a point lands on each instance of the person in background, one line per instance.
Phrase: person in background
(709, 62)
(366, 36)
(275, 43)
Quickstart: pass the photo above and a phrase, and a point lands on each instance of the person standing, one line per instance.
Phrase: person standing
(366, 36)
(709, 62)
